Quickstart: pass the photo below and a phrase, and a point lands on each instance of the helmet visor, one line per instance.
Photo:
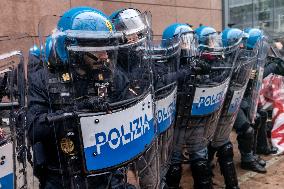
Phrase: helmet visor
(211, 42)
(188, 45)
(132, 24)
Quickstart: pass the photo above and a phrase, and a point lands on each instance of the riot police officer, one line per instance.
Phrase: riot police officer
(187, 133)
(220, 143)
(74, 79)
(133, 24)
(243, 124)
(165, 62)
(186, 34)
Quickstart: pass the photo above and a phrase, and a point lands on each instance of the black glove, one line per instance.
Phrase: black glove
(202, 67)
(94, 104)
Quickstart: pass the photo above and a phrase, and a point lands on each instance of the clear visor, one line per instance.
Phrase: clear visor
(93, 59)
(129, 22)
(162, 49)
(188, 45)
(87, 50)
(135, 27)
(262, 47)
(91, 38)
(211, 42)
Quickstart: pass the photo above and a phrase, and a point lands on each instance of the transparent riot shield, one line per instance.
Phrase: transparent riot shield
(201, 95)
(99, 107)
(256, 84)
(136, 29)
(13, 164)
(246, 59)
(165, 56)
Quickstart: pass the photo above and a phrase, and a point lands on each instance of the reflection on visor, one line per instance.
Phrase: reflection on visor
(213, 41)
(91, 61)
(188, 45)
(130, 24)
(187, 40)
(132, 38)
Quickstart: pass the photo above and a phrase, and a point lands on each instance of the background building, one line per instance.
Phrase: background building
(24, 15)
(264, 14)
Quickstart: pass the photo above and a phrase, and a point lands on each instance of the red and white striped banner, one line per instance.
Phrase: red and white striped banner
(272, 94)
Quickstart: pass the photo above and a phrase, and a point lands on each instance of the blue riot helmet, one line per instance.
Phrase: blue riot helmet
(232, 37)
(208, 38)
(187, 36)
(84, 18)
(74, 27)
(135, 27)
(257, 41)
(66, 21)
(87, 49)
(254, 36)
(132, 23)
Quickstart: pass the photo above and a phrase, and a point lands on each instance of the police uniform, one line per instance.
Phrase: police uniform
(71, 81)
(44, 91)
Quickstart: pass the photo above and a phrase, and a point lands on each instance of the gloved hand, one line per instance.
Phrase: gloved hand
(57, 115)
(202, 67)
(252, 74)
(94, 103)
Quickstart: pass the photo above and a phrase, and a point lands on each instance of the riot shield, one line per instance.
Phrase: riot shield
(246, 59)
(99, 106)
(137, 32)
(165, 56)
(256, 84)
(201, 96)
(13, 147)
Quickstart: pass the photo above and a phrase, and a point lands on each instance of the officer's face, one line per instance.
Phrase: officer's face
(96, 60)
(101, 55)
(132, 38)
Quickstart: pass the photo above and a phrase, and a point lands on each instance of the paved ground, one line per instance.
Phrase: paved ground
(273, 179)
